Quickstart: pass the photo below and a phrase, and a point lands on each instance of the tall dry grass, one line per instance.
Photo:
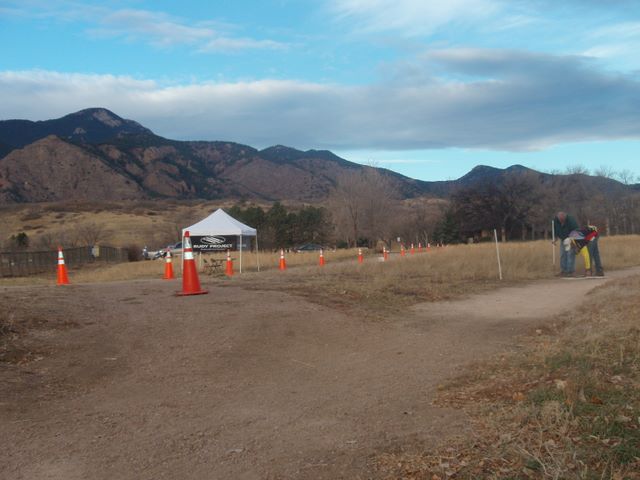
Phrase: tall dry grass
(268, 261)
(441, 273)
(250, 261)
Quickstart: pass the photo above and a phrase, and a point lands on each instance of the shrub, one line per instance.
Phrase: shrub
(19, 242)
(32, 215)
(134, 252)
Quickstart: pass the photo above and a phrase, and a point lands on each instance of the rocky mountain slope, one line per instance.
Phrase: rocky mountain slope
(96, 155)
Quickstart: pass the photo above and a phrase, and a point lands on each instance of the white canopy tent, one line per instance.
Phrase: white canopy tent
(221, 223)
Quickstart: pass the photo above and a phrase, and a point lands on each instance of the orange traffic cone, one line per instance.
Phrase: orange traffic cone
(283, 262)
(190, 281)
(360, 257)
(402, 252)
(229, 269)
(168, 267)
(63, 279)
(321, 261)
(385, 254)
(413, 250)
(419, 247)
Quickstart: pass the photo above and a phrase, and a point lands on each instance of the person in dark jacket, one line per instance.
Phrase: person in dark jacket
(563, 225)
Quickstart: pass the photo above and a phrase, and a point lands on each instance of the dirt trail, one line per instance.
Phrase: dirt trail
(240, 384)
(535, 300)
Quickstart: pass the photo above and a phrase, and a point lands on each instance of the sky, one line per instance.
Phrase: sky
(426, 88)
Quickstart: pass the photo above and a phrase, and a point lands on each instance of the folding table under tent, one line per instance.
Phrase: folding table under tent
(215, 234)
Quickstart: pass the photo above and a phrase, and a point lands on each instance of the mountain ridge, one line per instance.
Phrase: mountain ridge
(91, 125)
(104, 156)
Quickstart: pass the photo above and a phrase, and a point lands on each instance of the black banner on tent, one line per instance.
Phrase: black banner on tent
(215, 243)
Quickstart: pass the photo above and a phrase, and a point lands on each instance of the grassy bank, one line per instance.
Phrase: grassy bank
(565, 407)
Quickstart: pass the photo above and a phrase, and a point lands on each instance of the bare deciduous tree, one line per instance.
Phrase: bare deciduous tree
(625, 176)
(576, 170)
(605, 171)
(91, 233)
(47, 241)
(416, 221)
(362, 205)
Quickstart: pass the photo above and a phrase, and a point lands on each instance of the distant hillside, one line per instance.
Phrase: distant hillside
(593, 184)
(96, 155)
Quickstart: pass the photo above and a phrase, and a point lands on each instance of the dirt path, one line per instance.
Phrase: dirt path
(237, 383)
(535, 300)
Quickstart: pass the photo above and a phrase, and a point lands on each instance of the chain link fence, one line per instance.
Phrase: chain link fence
(21, 264)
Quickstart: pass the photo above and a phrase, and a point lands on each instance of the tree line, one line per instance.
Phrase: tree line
(365, 208)
(519, 204)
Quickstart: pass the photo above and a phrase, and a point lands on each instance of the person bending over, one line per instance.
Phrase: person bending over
(563, 225)
(585, 242)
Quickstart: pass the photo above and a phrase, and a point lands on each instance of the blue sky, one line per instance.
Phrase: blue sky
(426, 88)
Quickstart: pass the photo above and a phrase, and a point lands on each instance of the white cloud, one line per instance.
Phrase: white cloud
(501, 100)
(617, 41)
(228, 44)
(162, 30)
(621, 30)
(152, 27)
(410, 17)
(609, 50)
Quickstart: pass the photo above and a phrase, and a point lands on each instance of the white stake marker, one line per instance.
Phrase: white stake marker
(553, 242)
(495, 235)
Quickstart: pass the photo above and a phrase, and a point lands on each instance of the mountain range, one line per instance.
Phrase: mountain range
(96, 155)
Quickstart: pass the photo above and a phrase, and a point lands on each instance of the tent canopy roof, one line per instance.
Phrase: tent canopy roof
(220, 223)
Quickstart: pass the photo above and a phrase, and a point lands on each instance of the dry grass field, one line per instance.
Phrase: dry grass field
(154, 223)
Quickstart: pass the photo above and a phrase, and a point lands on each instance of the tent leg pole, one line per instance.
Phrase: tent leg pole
(240, 253)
